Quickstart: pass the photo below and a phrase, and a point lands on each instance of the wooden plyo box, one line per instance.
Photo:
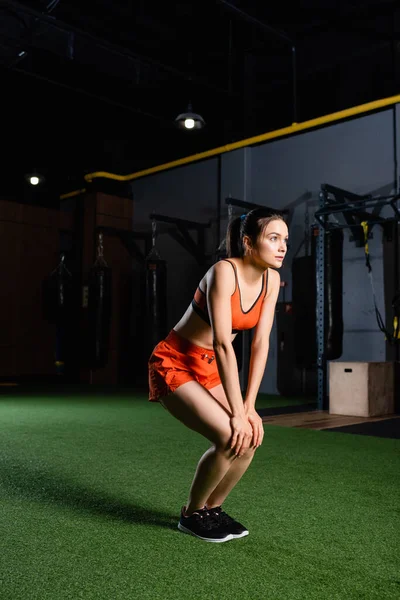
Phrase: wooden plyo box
(361, 389)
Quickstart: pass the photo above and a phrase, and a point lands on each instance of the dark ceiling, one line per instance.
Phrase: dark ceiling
(98, 87)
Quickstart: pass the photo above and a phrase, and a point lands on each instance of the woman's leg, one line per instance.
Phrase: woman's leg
(238, 467)
(194, 406)
(218, 470)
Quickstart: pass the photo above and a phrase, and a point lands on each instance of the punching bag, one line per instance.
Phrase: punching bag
(99, 311)
(57, 294)
(303, 308)
(156, 294)
(57, 304)
(304, 296)
(156, 298)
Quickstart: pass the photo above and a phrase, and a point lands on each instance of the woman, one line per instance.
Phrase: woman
(194, 372)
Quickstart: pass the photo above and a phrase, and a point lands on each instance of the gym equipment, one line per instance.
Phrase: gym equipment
(391, 338)
(99, 309)
(129, 303)
(156, 293)
(303, 311)
(291, 379)
(57, 303)
(353, 210)
(57, 293)
(333, 294)
(156, 271)
(180, 233)
(304, 301)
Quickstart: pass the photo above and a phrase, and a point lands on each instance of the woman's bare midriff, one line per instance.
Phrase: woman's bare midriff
(193, 328)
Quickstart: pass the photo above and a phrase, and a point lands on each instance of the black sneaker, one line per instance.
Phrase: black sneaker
(236, 529)
(204, 526)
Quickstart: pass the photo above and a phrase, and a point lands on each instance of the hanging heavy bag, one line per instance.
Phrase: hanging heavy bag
(99, 315)
(58, 305)
(304, 319)
(99, 310)
(156, 294)
(57, 294)
(156, 298)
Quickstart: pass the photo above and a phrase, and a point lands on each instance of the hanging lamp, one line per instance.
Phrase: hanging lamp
(190, 120)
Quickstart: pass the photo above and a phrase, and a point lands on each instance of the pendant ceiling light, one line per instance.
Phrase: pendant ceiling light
(34, 178)
(190, 120)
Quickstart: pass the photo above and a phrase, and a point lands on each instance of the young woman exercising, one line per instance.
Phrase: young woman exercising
(194, 372)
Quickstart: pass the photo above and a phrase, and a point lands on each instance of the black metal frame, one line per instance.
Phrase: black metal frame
(181, 235)
(128, 239)
(354, 210)
(353, 207)
(251, 205)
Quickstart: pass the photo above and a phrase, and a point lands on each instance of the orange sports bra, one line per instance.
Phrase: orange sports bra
(240, 319)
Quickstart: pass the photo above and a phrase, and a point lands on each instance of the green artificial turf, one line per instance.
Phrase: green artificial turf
(272, 401)
(91, 490)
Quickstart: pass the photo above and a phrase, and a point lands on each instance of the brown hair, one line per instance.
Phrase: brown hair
(252, 225)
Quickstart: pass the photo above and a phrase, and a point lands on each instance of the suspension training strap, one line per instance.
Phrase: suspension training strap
(396, 320)
(388, 336)
(364, 225)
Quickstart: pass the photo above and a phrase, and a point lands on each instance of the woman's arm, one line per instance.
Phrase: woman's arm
(220, 287)
(260, 343)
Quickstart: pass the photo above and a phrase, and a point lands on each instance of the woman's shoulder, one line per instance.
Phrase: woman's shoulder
(221, 272)
(222, 266)
(274, 282)
(273, 276)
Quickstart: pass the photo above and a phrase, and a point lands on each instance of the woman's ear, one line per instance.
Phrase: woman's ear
(247, 246)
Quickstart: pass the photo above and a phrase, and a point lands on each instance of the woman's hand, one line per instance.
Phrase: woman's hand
(257, 427)
(241, 435)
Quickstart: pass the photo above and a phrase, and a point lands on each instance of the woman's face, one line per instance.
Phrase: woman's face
(271, 246)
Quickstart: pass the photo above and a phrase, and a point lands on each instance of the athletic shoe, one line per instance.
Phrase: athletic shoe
(236, 529)
(203, 525)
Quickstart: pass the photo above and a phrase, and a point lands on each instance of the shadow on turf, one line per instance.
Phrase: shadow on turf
(40, 486)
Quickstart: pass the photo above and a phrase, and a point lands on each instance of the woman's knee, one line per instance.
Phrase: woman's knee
(222, 440)
(222, 444)
(249, 453)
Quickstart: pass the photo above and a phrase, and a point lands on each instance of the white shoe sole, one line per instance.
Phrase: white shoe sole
(215, 541)
(240, 535)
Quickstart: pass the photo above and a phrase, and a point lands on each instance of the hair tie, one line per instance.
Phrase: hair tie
(242, 217)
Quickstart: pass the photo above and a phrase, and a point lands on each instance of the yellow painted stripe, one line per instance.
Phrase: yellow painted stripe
(72, 194)
(265, 137)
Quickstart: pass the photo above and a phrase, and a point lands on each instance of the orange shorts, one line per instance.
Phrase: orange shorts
(175, 361)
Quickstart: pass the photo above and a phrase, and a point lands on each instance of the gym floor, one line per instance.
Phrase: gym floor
(92, 485)
(307, 416)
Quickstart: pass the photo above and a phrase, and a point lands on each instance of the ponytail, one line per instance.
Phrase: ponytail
(234, 245)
